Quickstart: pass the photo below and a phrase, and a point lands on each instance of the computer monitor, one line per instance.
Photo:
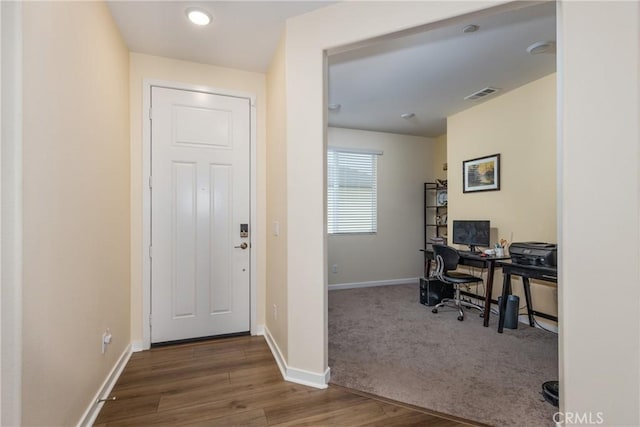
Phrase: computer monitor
(471, 233)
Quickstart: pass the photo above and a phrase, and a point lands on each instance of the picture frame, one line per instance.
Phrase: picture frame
(481, 174)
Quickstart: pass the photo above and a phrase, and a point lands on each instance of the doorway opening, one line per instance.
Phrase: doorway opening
(413, 87)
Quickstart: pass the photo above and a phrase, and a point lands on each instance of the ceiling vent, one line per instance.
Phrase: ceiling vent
(481, 93)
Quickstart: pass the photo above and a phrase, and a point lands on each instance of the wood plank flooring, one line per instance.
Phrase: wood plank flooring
(236, 382)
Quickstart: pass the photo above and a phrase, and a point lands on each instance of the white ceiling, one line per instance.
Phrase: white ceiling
(428, 74)
(242, 35)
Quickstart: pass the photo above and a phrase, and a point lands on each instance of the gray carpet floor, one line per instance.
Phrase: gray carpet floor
(383, 341)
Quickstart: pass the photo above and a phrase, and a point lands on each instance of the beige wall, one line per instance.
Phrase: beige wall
(520, 125)
(10, 212)
(76, 206)
(439, 157)
(393, 252)
(154, 67)
(276, 300)
(599, 204)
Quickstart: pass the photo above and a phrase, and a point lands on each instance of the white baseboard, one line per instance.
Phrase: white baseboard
(137, 346)
(410, 280)
(275, 350)
(258, 331)
(91, 413)
(311, 379)
(298, 376)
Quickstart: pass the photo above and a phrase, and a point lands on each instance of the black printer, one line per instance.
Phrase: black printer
(534, 253)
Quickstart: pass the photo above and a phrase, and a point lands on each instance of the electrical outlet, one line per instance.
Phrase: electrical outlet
(106, 340)
(334, 268)
(275, 312)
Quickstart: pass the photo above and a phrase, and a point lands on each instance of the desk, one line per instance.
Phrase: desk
(472, 259)
(526, 272)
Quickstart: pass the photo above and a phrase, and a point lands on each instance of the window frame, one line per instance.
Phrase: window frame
(350, 157)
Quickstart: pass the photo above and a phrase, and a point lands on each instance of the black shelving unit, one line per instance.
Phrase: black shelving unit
(435, 226)
(435, 214)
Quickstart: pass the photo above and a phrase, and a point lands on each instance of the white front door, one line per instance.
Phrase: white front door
(200, 168)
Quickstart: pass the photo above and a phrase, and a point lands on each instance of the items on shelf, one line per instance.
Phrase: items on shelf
(435, 213)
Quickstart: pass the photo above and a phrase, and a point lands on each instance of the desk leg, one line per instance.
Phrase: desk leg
(487, 299)
(506, 286)
(527, 296)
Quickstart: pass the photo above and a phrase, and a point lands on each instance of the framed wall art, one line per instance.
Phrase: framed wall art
(481, 174)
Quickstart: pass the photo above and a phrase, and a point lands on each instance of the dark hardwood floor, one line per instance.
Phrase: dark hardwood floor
(236, 382)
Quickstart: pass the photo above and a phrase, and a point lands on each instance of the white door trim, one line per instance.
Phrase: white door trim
(146, 198)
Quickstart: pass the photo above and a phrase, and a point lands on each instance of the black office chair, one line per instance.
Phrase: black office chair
(447, 259)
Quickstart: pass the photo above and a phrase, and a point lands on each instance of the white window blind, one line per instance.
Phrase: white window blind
(352, 196)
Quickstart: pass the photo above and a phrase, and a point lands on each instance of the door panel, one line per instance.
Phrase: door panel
(221, 224)
(183, 240)
(200, 196)
(202, 126)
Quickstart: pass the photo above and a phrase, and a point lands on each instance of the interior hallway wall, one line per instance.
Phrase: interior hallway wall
(599, 176)
(11, 212)
(76, 206)
(276, 320)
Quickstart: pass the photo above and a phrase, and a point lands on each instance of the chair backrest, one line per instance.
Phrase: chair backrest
(449, 256)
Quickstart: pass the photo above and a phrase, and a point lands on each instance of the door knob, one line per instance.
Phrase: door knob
(242, 246)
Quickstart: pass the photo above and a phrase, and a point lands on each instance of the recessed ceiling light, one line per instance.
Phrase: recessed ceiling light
(198, 16)
(407, 115)
(334, 107)
(470, 28)
(541, 47)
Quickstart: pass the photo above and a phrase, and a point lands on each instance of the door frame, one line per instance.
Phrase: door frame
(147, 84)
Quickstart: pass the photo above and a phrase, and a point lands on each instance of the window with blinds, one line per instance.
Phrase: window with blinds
(352, 196)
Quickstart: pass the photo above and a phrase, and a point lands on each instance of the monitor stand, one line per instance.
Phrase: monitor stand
(473, 249)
